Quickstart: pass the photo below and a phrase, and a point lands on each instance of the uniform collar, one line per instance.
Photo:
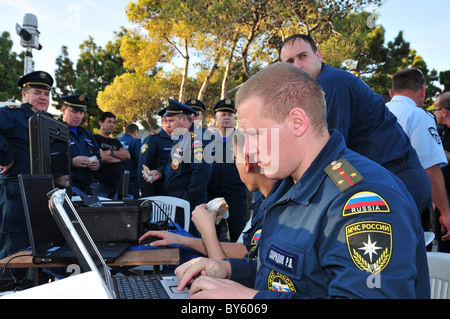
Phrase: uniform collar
(307, 186)
(403, 99)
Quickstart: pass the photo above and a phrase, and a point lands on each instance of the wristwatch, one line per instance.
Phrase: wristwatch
(112, 152)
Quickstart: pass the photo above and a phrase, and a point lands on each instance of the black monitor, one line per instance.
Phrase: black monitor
(49, 148)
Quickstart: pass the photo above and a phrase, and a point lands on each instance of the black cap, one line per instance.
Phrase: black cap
(195, 104)
(76, 101)
(175, 108)
(225, 105)
(162, 112)
(37, 80)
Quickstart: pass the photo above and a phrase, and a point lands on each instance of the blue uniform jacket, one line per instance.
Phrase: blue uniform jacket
(155, 154)
(187, 174)
(133, 145)
(318, 242)
(82, 144)
(370, 129)
(15, 140)
(225, 176)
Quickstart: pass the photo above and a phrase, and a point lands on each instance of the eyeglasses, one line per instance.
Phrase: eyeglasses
(435, 110)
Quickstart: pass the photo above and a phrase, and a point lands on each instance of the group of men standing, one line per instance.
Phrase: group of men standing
(98, 161)
(351, 193)
(195, 163)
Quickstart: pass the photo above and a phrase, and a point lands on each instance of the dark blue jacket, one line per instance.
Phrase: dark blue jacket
(15, 140)
(133, 145)
(321, 241)
(187, 174)
(82, 144)
(370, 129)
(155, 153)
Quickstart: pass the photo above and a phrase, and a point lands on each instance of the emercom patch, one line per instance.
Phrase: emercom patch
(369, 244)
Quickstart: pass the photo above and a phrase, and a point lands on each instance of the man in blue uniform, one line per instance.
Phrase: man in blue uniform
(84, 151)
(199, 108)
(342, 226)
(15, 158)
(225, 180)
(155, 153)
(369, 128)
(187, 174)
(132, 143)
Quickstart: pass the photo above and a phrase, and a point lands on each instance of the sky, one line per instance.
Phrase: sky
(425, 25)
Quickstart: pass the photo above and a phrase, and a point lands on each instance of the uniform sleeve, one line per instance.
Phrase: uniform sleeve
(426, 141)
(147, 157)
(375, 247)
(6, 153)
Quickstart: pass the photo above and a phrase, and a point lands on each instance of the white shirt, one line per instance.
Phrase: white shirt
(420, 126)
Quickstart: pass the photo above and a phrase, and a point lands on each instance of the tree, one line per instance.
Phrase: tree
(95, 69)
(11, 69)
(65, 76)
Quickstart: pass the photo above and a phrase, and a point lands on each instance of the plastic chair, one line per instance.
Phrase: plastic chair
(429, 237)
(439, 265)
(169, 205)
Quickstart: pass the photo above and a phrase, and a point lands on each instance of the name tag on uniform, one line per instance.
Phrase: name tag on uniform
(282, 259)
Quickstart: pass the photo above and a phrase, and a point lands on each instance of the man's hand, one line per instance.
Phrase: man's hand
(192, 269)
(4, 169)
(445, 226)
(206, 287)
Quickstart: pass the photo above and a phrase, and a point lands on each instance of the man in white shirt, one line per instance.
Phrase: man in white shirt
(408, 94)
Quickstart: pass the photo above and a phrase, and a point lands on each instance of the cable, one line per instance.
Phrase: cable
(6, 265)
(168, 217)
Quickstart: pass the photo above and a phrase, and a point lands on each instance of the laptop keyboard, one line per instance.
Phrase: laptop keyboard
(140, 287)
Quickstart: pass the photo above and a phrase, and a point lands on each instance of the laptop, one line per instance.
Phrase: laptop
(89, 259)
(47, 243)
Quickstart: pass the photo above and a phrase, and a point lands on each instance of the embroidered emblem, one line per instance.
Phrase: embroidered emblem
(279, 282)
(198, 153)
(175, 164)
(343, 174)
(435, 134)
(365, 202)
(370, 245)
(144, 148)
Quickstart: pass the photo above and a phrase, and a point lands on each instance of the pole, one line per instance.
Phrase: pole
(28, 68)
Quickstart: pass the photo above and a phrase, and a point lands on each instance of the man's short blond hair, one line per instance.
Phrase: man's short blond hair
(282, 87)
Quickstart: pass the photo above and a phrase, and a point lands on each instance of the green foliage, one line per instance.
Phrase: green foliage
(11, 69)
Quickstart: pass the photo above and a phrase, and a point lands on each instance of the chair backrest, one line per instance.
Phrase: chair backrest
(439, 268)
(169, 205)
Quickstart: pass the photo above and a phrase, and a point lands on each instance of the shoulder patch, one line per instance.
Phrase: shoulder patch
(365, 202)
(12, 107)
(369, 245)
(435, 134)
(343, 174)
(144, 148)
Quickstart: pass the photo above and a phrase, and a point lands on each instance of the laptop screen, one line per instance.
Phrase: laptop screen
(42, 228)
(78, 237)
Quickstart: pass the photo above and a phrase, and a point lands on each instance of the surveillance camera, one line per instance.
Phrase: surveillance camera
(29, 34)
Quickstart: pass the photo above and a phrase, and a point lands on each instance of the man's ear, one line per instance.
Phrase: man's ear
(299, 120)
(248, 165)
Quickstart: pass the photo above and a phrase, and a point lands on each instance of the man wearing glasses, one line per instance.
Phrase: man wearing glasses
(442, 114)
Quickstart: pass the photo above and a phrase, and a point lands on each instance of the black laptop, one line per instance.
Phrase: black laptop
(48, 244)
(116, 287)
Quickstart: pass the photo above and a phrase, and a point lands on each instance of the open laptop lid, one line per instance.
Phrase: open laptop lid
(42, 229)
(79, 239)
